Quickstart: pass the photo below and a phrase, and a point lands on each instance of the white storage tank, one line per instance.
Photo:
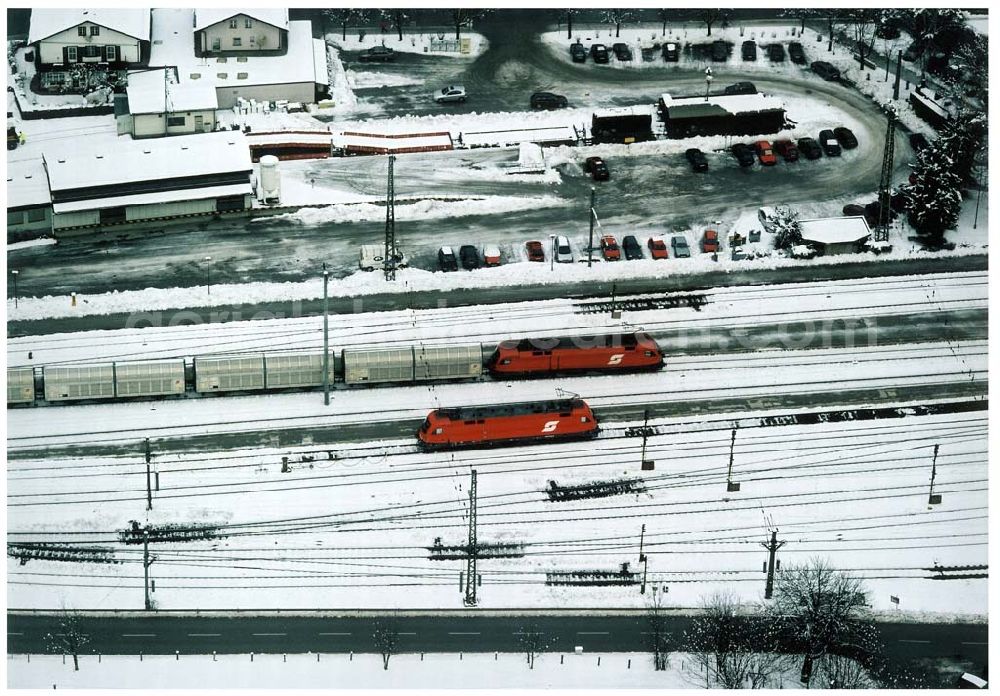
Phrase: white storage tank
(270, 179)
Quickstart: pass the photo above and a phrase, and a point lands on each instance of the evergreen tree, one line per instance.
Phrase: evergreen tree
(962, 140)
(934, 199)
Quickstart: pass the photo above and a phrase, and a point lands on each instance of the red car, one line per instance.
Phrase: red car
(486, 426)
(610, 249)
(765, 153)
(536, 252)
(787, 149)
(710, 241)
(657, 248)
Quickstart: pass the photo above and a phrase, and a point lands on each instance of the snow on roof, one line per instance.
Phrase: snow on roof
(46, 22)
(141, 160)
(834, 230)
(172, 26)
(412, 142)
(446, 250)
(624, 111)
(27, 184)
(154, 197)
(157, 92)
(205, 17)
(697, 107)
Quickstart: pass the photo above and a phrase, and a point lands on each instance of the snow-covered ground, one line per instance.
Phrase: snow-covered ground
(413, 41)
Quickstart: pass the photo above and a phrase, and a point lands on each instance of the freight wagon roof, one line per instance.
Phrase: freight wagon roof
(726, 105)
(617, 112)
(128, 161)
(834, 230)
(516, 409)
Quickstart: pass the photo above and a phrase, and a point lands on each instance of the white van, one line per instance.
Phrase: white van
(563, 252)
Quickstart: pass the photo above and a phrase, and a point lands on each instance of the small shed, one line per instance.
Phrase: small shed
(835, 235)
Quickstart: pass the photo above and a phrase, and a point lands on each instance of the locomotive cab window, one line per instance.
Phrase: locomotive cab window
(584, 419)
(505, 361)
(649, 353)
(438, 431)
(425, 427)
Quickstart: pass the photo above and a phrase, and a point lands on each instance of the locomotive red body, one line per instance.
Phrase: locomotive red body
(607, 353)
(472, 426)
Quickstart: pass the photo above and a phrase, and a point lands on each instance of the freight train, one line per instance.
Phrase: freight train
(262, 372)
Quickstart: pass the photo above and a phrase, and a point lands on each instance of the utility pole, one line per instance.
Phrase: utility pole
(145, 566)
(326, 338)
(389, 260)
(14, 272)
(208, 274)
(899, 69)
(590, 247)
(473, 552)
(885, 184)
(730, 486)
(772, 549)
(934, 498)
(149, 490)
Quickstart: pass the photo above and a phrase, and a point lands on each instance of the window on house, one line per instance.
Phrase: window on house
(216, 44)
(71, 54)
(248, 23)
(195, 76)
(111, 53)
(221, 59)
(15, 218)
(95, 31)
(241, 59)
(36, 215)
(253, 40)
(232, 23)
(222, 75)
(91, 51)
(176, 120)
(237, 41)
(242, 76)
(81, 31)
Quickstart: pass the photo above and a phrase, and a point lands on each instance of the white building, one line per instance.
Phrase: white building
(116, 37)
(298, 75)
(835, 235)
(29, 207)
(158, 105)
(137, 181)
(250, 31)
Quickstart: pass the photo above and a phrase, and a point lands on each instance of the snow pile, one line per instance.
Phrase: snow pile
(413, 42)
(41, 241)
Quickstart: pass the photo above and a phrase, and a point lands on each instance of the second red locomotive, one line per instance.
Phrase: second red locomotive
(485, 426)
(607, 353)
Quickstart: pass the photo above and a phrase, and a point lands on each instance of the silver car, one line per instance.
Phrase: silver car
(563, 254)
(451, 93)
(680, 245)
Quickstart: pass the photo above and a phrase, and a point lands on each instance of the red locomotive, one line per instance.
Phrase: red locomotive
(563, 419)
(607, 353)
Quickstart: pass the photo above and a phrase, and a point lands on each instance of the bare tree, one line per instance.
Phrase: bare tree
(659, 637)
(399, 17)
(569, 13)
(464, 18)
(386, 639)
(69, 639)
(820, 611)
(664, 15)
(347, 16)
(618, 16)
(840, 672)
(804, 13)
(532, 642)
(710, 17)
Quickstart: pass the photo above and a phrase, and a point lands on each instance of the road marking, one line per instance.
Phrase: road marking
(907, 640)
(269, 634)
(335, 634)
(458, 633)
(405, 634)
(203, 635)
(522, 633)
(963, 642)
(14, 634)
(591, 633)
(138, 635)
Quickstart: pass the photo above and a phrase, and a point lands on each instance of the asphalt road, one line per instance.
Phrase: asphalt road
(342, 632)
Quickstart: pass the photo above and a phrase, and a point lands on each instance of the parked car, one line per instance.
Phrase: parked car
(648, 54)
(710, 242)
(536, 251)
(720, 51)
(578, 52)
(377, 54)
(749, 50)
(697, 158)
(740, 88)
(632, 249)
(918, 141)
(845, 137)
(743, 154)
(622, 52)
(825, 70)
(671, 52)
(765, 153)
(597, 168)
(609, 248)
(13, 139)
(680, 247)
(548, 100)
(451, 93)
(491, 255)
(787, 149)
(657, 248)
(810, 148)
(563, 252)
(469, 256)
(599, 52)
(446, 259)
(796, 53)
(828, 141)
(776, 53)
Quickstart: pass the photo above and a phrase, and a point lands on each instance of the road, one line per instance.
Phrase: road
(466, 631)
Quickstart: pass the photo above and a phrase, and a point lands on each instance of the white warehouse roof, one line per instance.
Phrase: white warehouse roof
(141, 160)
(46, 22)
(156, 92)
(27, 185)
(834, 230)
(206, 17)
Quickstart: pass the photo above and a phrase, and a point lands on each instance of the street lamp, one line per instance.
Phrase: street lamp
(326, 339)
(14, 272)
(208, 274)
(552, 252)
(708, 82)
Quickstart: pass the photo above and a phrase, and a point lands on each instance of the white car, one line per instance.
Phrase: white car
(563, 252)
(451, 93)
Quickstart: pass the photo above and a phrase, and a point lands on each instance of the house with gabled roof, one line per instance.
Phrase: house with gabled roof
(115, 37)
(257, 31)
